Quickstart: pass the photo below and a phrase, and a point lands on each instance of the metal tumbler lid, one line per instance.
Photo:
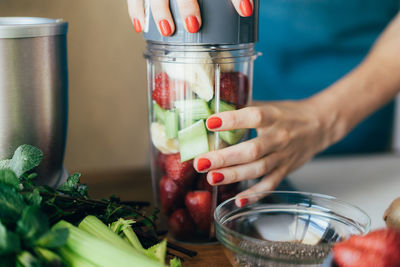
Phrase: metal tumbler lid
(221, 24)
(24, 27)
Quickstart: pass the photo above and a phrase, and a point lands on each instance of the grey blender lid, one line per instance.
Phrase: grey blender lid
(221, 24)
(25, 27)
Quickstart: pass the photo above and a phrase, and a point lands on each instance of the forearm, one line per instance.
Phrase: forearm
(368, 87)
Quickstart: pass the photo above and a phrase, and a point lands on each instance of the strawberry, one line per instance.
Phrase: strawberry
(171, 195)
(181, 225)
(199, 205)
(161, 161)
(167, 90)
(378, 248)
(181, 172)
(234, 88)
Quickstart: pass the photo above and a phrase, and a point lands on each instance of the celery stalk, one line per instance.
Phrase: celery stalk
(124, 226)
(73, 259)
(101, 252)
(97, 228)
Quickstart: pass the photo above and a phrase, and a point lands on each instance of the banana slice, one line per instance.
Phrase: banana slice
(225, 60)
(160, 140)
(199, 75)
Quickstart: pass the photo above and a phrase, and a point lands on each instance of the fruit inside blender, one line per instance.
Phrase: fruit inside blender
(186, 91)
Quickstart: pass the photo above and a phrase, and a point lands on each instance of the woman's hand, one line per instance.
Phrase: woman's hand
(188, 9)
(288, 134)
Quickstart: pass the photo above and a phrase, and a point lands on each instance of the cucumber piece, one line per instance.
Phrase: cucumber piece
(195, 109)
(159, 112)
(232, 137)
(193, 141)
(223, 106)
(171, 123)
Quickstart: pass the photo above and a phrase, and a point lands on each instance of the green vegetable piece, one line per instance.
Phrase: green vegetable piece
(11, 204)
(25, 158)
(97, 228)
(7, 261)
(8, 177)
(159, 112)
(171, 124)
(195, 109)
(73, 187)
(32, 224)
(123, 227)
(53, 238)
(232, 137)
(26, 259)
(33, 198)
(73, 259)
(175, 262)
(5, 164)
(102, 252)
(193, 141)
(9, 241)
(158, 251)
(51, 258)
(223, 106)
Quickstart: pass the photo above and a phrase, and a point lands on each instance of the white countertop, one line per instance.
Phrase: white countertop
(370, 182)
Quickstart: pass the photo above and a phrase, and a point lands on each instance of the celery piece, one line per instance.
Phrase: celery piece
(233, 136)
(175, 262)
(92, 225)
(49, 256)
(193, 141)
(196, 109)
(159, 112)
(124, 226)
(223, 106)
(74, 260)
(114, 252)
(171, 123)
(158, 251)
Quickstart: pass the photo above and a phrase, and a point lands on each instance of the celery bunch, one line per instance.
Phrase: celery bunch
(92, 243)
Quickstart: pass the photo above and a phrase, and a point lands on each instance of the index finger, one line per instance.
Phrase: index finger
(245, 118)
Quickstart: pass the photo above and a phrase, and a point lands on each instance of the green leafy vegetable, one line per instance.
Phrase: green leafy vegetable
(11, 204)
(25, 158)
(175, 262)
(9, 241)
(8, 177)
(32, 224)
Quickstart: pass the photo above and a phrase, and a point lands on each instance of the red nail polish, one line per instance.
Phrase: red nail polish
(192, 24)
(165, 27)
(136, 24)
(246, 8)
(214, 122)
(243, 201)
(217, 177)
(203, 164)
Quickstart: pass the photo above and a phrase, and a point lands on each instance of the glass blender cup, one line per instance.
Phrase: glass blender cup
(189, 81)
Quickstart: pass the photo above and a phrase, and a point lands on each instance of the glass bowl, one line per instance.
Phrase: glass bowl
(286, 228)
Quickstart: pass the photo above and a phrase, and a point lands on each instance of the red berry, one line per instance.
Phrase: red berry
(181, 225)
(167, 90)
(234, 88)
(161, 161)
(171, 195)
(199, 205)
(378, 248)
(181, 172)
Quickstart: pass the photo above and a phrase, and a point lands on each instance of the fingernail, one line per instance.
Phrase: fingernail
(243, 201)
(214, 122)
(203, 164)
(165, 27)
(136, 24)
(245, 7)
(192, 24)
(217, 177)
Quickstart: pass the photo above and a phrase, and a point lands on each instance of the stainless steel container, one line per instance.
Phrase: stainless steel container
(33, 90)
